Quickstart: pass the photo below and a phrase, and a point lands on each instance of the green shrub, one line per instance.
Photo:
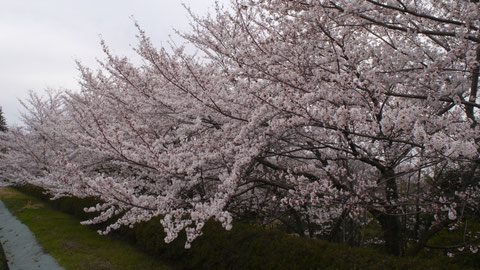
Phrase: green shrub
(70, 205)
(253, 247)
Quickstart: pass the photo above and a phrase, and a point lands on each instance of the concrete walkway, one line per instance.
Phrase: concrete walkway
(20, 246)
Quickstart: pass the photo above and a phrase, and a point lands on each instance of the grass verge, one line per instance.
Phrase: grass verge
(74, 246)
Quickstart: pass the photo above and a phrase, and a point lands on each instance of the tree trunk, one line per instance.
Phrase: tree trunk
(393, 235)
(389, 218)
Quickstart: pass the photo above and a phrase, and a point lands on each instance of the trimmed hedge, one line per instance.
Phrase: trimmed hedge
(70, 205)
(253, 247)
(250, 247)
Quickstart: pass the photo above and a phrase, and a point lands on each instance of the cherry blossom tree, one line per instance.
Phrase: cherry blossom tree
(325, 112)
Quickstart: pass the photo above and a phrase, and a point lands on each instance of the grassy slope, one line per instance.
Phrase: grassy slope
(73, 245)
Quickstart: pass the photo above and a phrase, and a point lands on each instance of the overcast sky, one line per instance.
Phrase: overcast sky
(40, 40)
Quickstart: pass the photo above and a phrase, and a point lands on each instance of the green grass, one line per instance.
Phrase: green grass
(73, 245)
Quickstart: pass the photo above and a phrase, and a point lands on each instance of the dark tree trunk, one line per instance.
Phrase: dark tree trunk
(389, 218)
(393, 235)
(298, 222)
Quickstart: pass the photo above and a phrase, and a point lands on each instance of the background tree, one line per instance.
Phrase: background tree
(325, 116)
(3, 122)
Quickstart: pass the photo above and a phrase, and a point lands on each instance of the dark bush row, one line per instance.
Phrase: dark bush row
(70, 205)
(249, 246)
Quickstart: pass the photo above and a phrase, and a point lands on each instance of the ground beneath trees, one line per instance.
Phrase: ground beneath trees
(74, 246)
(21, 248)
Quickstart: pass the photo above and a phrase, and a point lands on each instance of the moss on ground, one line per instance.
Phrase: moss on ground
(74, 246)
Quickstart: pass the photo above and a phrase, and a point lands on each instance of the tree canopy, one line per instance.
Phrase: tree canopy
(315, 114)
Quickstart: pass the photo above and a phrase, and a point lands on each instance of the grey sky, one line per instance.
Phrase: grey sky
(40, 40)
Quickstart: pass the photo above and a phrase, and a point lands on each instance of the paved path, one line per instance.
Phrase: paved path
(20, 246)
